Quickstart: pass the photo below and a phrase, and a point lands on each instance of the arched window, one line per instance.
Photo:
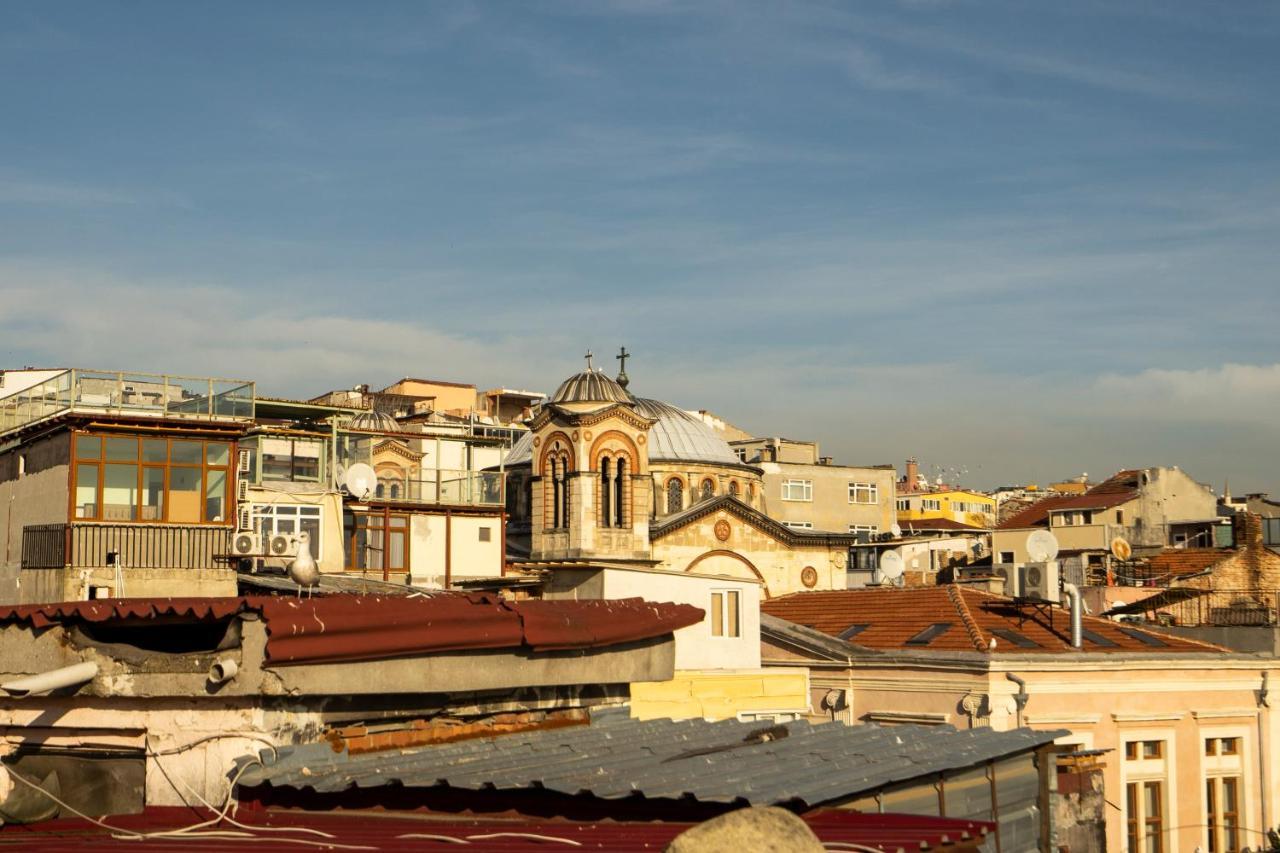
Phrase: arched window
(708, 489)
(555, 492)
(619, 502)
(675, 495)
(733, 488)
(564, 492)
(606, 492)
(380, 491)
(395, 490)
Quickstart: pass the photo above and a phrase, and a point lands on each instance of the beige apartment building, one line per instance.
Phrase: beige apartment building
(806, 491)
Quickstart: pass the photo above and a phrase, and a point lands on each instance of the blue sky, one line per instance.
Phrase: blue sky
(1027, 240)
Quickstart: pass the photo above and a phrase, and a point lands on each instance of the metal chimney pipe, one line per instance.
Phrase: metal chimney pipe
(1077, 615)
(66, 676)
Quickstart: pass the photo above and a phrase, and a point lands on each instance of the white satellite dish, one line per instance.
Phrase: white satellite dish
(891, 565)
(896, 530)
(360, 480)
(1042, 546)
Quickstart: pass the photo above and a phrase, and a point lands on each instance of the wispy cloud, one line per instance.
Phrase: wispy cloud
(57, 194)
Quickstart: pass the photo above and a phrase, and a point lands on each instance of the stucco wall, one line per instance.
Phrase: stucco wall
(721, 695)
(332, 545)
(830, 510)
(471, 558)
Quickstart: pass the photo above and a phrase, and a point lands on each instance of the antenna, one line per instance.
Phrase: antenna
(360, 480)
(1042, 546)
(891, 565)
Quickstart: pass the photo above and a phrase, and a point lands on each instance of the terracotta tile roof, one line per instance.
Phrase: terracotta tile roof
(1039, 511)
(1186, 561)
(938, 524)
(1118, 483)
(366, 627)
(911, 619)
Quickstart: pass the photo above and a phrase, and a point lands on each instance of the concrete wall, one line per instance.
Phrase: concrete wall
(332, 546)
(774, 693)
(471, 557)
(830, 510)
(33, 490)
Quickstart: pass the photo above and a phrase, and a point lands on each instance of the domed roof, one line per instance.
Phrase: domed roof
(371, 420)
(522, 451)
(590, 386)
(680, 437)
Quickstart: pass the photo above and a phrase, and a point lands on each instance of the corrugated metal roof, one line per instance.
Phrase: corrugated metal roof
(590, 386)
(356, 627)
(390, 831)
(680, 437)
(616, 756)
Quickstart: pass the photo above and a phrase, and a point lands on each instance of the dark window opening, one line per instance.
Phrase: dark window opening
(853, 631)
(1143, 637)
(1097, 639)
(929, 634)
(1020, 640)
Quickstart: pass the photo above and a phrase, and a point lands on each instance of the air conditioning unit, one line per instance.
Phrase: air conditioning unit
(282, 546)
(242, 462)
(1008, 573)
(1039, 581)
(242, 490)
(244, 518)
(246, 544)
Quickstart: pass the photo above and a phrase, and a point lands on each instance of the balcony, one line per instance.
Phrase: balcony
(136, 546)
(146, 394)
(438, 486)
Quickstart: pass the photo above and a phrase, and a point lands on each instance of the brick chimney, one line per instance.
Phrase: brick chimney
(913, 475)
(1246, 528)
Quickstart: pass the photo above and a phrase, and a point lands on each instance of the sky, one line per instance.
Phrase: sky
(1018, 241)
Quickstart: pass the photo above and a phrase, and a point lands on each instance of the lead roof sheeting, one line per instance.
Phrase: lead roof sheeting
(618, 757)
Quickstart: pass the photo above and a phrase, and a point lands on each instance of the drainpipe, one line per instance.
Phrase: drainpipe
(67, 676)
(1077, 615)
(1020, 698)
(1264, 704)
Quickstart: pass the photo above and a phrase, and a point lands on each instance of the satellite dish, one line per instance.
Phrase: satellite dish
(896, 530)
(1121, 549)
(1042, 546)
(891, 565)
(360, 480)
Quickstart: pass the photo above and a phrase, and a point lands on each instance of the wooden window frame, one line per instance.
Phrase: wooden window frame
(228, 471)
(383, 526)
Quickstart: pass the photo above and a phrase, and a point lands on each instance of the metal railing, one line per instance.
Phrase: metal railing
(135, 546)
(154, 394)
(1222, 607)
(440, 486)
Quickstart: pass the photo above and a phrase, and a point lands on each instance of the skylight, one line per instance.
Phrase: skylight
(1020, 640)
(1097, 639)
(927, 636)
(852, 631)
(1143, 637)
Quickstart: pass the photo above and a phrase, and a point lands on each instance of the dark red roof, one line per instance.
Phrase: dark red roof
(1039, 511)
(1118, 483)
(356, 627)
(391, 831)
(897, 619)
(1176, 562)
(938, 524)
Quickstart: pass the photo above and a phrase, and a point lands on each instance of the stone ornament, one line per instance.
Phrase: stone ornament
(723, 530)
(809, 576)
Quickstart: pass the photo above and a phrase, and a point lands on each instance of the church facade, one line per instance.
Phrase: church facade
(605, 477)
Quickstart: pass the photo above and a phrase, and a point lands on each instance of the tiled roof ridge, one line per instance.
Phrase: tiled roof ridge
(970, 625)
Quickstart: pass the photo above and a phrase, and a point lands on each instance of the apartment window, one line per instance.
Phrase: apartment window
(486, 534)
(1271, 531)
(1144, 772)
(288, 520)
(1006, 556)
(869, 529)
(797, 490)
(904, 504)
(130, 478)
(930, 504)
(799, 525)
(378, 542)
(741, 453)
(290, 459)
(1222, 813)
(726, 613)
(864, 493)
(1119, 516)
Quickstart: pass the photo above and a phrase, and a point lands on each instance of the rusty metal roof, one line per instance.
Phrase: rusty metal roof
(355, 627)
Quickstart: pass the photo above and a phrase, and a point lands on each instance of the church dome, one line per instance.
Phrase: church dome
(590, 386)
(371, 420)
(680, 437)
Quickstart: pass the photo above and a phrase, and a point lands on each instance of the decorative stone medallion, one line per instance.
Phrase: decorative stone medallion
(641, 439)
(537, 441)
(723, 530)
(586, 436)
(809, 577)
(575, 435)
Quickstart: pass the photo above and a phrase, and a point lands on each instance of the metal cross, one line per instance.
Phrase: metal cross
(588, 357)
(622, 357)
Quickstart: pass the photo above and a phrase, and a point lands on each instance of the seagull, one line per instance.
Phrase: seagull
(303, 570)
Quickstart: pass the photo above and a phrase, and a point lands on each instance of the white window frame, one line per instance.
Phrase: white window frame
(870, 493)
(265, 515)
(1229, 766)
(1151, 770)
(799, 525)
(723, 602)
(928, 504)
(791, 486)
(873, 529)
(904, 504)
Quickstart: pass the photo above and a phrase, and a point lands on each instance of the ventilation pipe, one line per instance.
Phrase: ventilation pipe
(1021, 697)
(67, 676)
(223, 670)
(1077, 615)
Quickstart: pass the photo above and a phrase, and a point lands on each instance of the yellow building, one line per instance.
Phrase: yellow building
(965, 507)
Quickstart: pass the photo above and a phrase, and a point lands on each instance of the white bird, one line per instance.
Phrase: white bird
(303, 570)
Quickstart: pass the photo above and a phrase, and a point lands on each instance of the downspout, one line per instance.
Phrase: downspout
(1264, 704)
(67, 676)
(1021, 697)
(1077, 615)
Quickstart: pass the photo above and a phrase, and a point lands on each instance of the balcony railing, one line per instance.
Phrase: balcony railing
(151, 394)
(1221, 607)
(439, 486)
(135, 546)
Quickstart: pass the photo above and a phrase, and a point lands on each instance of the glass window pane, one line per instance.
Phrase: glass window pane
(184, 494)
(186, 452)
(88, 447)
(120, 492)
(155, 450)
(217, 452)
(152, 494)
(312, 527)
(717, 615)
(733, 613)
(215, 495)
(122, 449)
(396, 551)
(86, 491)
(398, 521)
